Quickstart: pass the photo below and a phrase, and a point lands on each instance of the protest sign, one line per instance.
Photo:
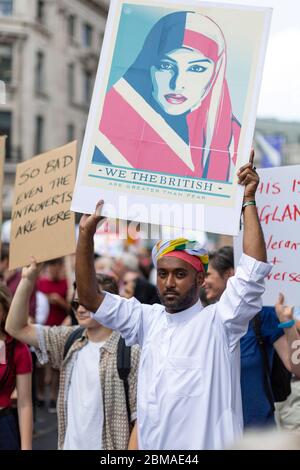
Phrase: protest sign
(42, 223)
(173, 113)
(278, 204)
(2, 158)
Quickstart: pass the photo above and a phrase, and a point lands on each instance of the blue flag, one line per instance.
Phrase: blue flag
(271, 149)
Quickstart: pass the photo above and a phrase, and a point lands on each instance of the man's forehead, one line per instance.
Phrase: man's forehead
(171, 263)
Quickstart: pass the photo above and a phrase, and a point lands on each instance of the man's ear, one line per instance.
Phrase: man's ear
(200, 278)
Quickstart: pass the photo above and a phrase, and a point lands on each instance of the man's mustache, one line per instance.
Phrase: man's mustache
(171, 292)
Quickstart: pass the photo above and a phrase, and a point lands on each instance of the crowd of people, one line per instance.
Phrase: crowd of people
(186, 364)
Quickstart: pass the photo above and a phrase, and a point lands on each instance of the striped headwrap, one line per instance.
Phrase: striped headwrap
(189, 250)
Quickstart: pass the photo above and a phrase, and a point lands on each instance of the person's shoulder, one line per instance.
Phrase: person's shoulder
(152, 311)
(208, 309)
(269, 323)
(59, 332)
(22, 357)
(21, 347)
(268, 316)
(155, 306)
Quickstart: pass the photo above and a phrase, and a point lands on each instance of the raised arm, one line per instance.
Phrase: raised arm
(253, 241)
(242, 298)
(17, 320)
(112, 311)
(87, 287)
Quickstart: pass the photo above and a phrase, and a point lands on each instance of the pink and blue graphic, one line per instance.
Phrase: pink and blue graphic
(171, 110)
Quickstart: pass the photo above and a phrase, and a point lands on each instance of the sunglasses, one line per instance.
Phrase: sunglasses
(74, 305)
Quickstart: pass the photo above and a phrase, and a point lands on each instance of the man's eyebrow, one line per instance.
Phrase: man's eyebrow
(173, 270)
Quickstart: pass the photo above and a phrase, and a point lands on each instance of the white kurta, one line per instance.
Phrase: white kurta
(189, 377)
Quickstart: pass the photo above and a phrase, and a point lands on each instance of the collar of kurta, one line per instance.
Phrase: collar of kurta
(184, 315)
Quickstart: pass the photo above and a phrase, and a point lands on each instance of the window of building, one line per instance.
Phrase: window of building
(5, 129)
(71, 82)
(87, 35)
(87, 83)
(40, 72)
(39, 135)
(70, 132)
(40, 14)
(6, 7)
(6, 63)
(72, 26)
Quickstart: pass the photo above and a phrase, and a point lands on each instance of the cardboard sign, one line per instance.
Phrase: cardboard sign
(2, 158)
(42, 223)
(173, 113)
(278, 203)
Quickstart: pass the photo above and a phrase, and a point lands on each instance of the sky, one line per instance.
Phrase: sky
(280, 90)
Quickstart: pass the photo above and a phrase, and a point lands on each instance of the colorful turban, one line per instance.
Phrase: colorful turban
(188, 250)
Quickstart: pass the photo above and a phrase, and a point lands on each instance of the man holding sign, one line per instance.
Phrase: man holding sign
(189, 383)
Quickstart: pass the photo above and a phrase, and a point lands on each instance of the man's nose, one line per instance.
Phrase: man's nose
(170, 281)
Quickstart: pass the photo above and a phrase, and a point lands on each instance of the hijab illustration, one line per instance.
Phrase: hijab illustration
(171, 110)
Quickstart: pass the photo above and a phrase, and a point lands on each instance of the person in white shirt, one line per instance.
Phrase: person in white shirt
(189, 381)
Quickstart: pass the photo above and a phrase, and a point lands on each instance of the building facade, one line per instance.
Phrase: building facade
(287, 133)
(49, 52)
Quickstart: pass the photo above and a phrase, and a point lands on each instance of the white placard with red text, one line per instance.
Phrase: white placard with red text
(278, 202)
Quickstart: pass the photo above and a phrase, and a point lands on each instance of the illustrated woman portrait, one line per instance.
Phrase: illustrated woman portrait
(171, 111)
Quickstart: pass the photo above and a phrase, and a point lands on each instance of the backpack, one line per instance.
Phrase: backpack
(277, 381)
(123, 361)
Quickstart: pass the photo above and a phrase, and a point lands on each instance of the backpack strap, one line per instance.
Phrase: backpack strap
(76, 334)
(262, 346)
(123, 366)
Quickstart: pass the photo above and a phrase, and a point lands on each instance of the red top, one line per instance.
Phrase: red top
(57, 314)
(21, 363)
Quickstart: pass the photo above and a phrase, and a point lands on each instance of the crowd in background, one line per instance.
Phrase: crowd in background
(53, 303)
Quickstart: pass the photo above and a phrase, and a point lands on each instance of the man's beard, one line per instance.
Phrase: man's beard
(180, 302)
